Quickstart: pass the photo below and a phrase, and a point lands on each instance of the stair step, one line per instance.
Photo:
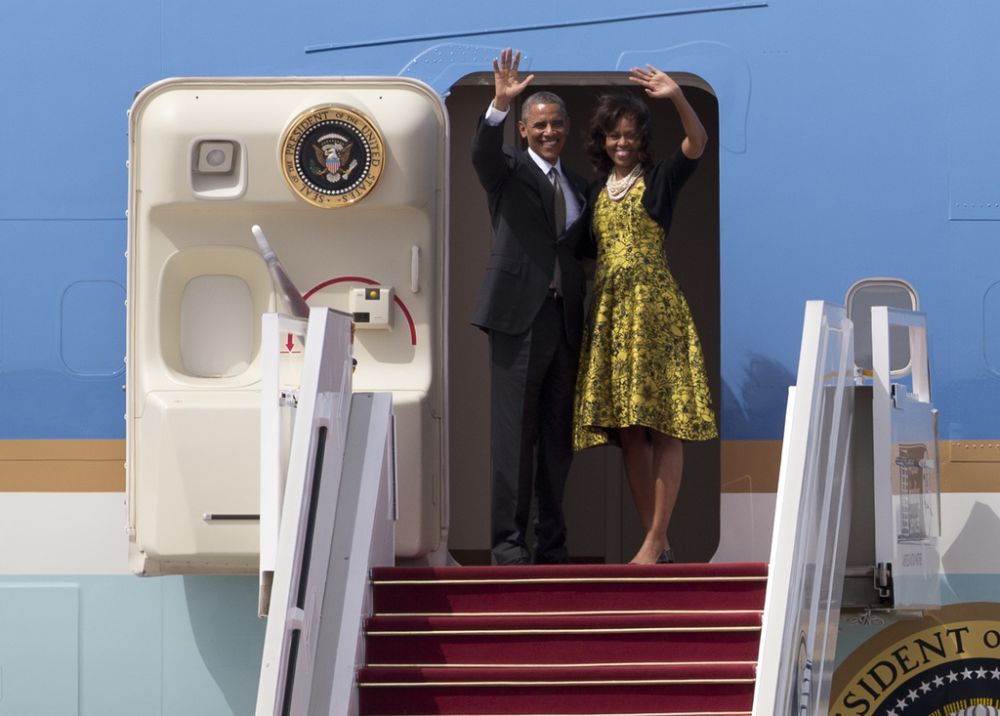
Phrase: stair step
(578, 665)
(561, 640)
(575, 674)
(619, 690)
(671, 620)
(577, 588)
(728, 570)
(617, 711)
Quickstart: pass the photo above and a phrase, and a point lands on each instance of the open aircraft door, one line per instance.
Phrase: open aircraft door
(348, 179)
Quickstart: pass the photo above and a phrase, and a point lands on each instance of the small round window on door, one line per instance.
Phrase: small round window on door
(865, 295)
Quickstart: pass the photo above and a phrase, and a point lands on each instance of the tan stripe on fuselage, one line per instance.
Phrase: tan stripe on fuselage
(748, 466)
(62, 465)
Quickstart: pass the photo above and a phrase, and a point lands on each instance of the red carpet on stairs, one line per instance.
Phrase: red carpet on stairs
(677, 640)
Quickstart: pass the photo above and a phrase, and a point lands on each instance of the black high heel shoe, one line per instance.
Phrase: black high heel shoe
(666, 557)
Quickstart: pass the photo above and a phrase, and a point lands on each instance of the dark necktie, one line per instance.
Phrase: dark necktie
(560, 203)
(560, 207)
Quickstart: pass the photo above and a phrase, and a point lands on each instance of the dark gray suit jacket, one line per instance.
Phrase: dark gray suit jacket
(525, 246)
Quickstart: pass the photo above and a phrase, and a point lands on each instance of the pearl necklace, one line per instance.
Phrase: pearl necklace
(618, 188)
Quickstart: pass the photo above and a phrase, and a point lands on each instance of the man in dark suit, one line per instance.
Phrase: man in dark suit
(531, 304)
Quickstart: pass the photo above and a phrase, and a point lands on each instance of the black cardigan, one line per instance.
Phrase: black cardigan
(663, 184)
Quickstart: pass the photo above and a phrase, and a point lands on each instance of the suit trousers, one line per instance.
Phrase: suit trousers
(532, 381)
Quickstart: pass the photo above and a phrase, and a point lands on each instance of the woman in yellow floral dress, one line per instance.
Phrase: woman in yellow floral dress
(642, 381)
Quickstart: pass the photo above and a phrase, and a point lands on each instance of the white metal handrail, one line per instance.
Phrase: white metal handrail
(809, 542)
(337, 521)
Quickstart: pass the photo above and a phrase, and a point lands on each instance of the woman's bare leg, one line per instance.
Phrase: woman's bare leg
(667, 469)
(637, 451)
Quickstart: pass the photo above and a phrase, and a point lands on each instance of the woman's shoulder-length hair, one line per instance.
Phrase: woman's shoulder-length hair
(610, 110)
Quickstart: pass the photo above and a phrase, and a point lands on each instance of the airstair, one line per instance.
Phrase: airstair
(351, 634)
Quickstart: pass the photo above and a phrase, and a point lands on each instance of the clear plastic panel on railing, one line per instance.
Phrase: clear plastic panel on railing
(907, 483)
(811, 523)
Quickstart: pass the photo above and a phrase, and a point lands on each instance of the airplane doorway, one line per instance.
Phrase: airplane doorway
(602, 522)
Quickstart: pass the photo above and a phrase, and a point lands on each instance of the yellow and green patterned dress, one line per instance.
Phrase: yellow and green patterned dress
(641, 362)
